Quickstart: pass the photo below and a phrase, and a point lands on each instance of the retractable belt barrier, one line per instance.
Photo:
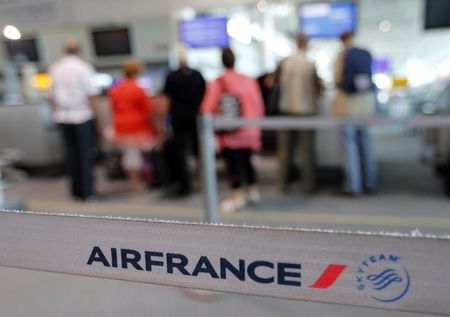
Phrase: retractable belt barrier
(325, 122)
(207, 124)
(395, 272)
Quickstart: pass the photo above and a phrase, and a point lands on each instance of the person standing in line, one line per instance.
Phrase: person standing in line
(355, 98)
(73, 100)
(183, 93)
(299, 89)
(237, 146)
(137, 127)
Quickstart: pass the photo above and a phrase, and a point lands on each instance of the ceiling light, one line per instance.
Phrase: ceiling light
(385, 26)
(12, 33)
(262, 6)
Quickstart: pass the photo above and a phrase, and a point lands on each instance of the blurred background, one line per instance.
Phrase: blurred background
(409, 41)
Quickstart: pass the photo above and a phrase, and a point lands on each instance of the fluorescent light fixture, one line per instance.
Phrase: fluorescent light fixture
(11, 32)
(240, 29)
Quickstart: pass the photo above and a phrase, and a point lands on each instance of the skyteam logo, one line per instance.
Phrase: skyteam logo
(383, 278)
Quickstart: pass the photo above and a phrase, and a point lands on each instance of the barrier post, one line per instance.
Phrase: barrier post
(208, 163)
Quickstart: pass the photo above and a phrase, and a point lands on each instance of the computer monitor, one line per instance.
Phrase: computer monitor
(24, 49)
(437, 14)
(204, 32)
(327, 20)
(112, 41)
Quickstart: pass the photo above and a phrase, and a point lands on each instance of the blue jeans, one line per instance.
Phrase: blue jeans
(360, 167)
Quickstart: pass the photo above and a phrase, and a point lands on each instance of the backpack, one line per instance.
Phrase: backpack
(357, 72)
(229, 106)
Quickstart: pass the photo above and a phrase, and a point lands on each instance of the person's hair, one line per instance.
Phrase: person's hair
(131, 68)
(346, 36)
(302, 41)
(72, 47)
(228, 58)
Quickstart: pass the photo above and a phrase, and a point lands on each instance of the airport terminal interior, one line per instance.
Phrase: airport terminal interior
(105, 108)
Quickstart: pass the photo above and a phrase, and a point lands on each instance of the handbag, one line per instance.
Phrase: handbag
(230, 106)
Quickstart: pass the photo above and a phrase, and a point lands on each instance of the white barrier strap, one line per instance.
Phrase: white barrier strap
(326, 122)
(390, 272)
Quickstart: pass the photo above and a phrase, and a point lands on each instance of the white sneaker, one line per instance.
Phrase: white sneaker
(232, 205)
(254, 197)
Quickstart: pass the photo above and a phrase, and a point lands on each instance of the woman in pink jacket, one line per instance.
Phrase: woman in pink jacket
(237, 146)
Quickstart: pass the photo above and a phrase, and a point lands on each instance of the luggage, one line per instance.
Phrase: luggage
(113, 165)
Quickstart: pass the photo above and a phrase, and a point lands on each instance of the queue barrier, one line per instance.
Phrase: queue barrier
(207, 124)
(386, 271)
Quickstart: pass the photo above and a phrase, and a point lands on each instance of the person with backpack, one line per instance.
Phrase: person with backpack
(355, 98)
(234, 95)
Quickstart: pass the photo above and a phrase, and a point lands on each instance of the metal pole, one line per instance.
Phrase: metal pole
(208, 163)
(2, 193)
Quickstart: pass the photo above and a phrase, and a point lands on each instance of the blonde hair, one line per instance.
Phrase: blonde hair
(132, 68)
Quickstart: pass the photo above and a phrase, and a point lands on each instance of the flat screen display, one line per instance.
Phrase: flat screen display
(205, 32)
(327, 20)
(23, 49)
(437, 14)
(382, 65)
(110, 42)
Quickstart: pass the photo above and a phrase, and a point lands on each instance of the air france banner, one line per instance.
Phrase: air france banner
(380, 271)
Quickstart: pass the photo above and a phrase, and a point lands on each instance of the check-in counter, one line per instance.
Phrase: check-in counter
(30, 129)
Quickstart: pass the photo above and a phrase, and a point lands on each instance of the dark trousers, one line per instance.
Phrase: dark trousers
(78, 139)
(301, 143)
(184, 142)
(239, 167)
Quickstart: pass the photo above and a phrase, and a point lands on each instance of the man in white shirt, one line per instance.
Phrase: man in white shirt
(299, 90)
(73, 101)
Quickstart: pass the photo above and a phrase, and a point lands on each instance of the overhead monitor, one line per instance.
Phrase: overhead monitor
(112, 41)
(382, 65)
(327, 20)
(23, 50)
(437, 14)
(204, 32)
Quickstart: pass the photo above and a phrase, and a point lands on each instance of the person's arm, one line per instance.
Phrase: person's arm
(212, 97)
(338, 69)
(157, 115)
(277, 74)
(92, 92)
(318, 83)
(95, 105)
(52, 99)
(338, 104)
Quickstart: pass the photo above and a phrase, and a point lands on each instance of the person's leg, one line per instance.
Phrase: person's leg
(368, 164)
(85, 160)
(250, 175)
(232, 162)
(194, 148)
(182, 176)
(352, 165)
(308, 161)
(132, 163)
(245, 156)
(68, 135)
(286, 140)
(235, 199)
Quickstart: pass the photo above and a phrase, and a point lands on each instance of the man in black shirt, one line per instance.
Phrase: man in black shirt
(184, 91)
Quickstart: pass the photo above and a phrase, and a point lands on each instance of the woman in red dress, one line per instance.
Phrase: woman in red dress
(135, 126)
